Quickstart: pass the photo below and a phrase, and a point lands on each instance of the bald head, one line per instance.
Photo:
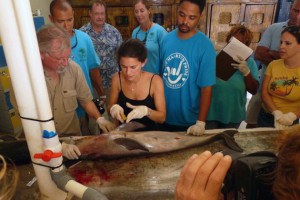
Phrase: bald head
(61, 14)
(62, 5)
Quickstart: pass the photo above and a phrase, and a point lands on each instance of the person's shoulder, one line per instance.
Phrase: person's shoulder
(275, 64)
(111, 28)
(154, 77)
(81, 34)
(83, 38)
(169, 39)
(201, 35)
(157, 81)
(171, 35)
(136, 29)
(74, 68)
(85, 27)
(159, 27)
(115, 76)
(251, 62)
(203, 39)
(278, 25)
(73, 65)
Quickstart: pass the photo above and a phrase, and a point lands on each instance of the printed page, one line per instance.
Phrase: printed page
(235, 47)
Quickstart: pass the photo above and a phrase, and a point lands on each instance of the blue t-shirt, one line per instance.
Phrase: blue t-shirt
(84, 54)
(228, 103)
(187, 65)
(153, 38)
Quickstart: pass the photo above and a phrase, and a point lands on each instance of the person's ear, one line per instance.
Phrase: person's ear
(42, 55)
(51, 18)
(144, 63)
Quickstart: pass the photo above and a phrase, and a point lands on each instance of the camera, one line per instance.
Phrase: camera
(250, 177)
(99, 105)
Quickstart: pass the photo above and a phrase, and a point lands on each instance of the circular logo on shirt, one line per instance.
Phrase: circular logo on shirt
(176, 71)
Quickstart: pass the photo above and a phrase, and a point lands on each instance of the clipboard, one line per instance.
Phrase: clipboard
(224, 70)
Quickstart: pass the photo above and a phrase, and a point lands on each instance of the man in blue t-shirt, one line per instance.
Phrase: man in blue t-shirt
(83, 53)
(188, 70)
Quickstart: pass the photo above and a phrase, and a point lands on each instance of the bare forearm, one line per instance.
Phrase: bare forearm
(251, 84)
(265, 56)
(97, 81)
(268, 102)
(157, 116)
(91, 109)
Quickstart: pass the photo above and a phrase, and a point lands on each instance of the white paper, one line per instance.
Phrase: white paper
(235, 47)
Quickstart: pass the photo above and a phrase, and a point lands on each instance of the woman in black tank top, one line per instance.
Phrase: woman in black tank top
(136, 95)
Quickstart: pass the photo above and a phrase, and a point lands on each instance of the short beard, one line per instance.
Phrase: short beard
(61, 69)
(185, 30)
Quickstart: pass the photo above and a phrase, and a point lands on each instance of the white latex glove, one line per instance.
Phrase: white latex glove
(70, 151)
(105, 125)
(197, 129)
(279, 126)
(278, 115)
(116, 111)
(138, 112)
(287, 119)
(241, 66)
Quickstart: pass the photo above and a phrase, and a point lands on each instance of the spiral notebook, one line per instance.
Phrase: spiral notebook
(224, 69)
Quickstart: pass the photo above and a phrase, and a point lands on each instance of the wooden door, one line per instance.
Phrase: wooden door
(220, 18)
(258, 17)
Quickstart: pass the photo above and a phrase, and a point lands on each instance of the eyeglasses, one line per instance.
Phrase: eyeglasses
(61, 60)
(145, 39)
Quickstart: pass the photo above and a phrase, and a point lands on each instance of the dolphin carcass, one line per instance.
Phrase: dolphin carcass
(121, 143)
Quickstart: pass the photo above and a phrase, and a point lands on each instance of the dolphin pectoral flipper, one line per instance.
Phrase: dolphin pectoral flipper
(228, 137)
(130, 144)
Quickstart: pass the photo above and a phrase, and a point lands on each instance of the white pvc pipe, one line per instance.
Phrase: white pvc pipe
(38, 83)
(36, 73)
(27, 76)
(76, 187)
(17, 63)
(34, 63)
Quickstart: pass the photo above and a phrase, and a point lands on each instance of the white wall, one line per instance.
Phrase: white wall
(43, 5)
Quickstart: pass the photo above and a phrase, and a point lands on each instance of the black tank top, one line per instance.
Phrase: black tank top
(148, 101)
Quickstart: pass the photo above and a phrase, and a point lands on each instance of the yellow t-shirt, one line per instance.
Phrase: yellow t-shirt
(284, 86)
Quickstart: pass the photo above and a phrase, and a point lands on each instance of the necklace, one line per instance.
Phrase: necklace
(146, 34)
(133, 85)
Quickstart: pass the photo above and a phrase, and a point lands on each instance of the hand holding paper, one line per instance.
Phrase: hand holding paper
(241, 65)
(226, 57)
